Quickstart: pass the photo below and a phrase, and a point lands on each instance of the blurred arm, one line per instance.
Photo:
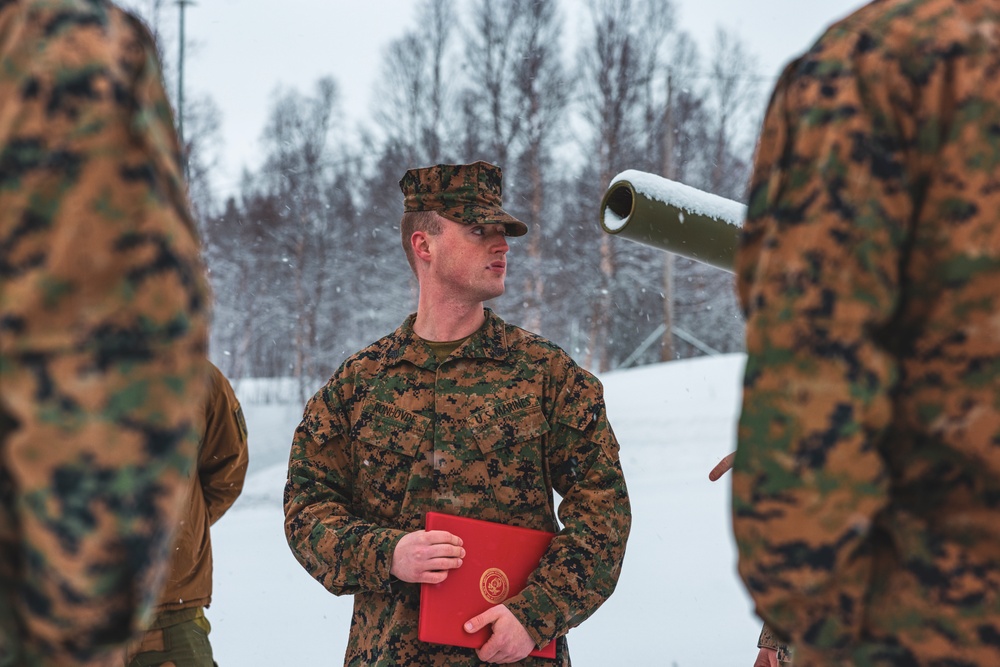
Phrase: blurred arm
(818, 278)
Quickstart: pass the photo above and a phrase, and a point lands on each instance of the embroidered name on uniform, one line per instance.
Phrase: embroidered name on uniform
(512, 406)
(393, 412)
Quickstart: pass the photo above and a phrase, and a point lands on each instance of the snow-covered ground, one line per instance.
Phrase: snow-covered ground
(679, 602)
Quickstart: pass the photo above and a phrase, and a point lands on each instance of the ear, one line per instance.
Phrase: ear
(420, 242)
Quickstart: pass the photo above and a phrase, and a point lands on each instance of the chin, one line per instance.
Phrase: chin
(493, 294)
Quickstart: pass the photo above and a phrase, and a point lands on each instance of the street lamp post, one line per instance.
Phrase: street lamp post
(182, 4)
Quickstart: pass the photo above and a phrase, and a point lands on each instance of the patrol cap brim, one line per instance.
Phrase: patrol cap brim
(488, 216)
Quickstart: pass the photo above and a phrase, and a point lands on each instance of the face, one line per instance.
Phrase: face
(469, 261)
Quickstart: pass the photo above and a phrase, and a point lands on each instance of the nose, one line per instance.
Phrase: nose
(501, 244)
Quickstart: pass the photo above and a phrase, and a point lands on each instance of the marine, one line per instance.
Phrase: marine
(457, 412)
(866, 488)
(103, 315)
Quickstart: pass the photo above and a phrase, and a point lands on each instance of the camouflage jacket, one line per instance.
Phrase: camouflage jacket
(490, 433)
(103, 309)
(866, 487)
(769, 641)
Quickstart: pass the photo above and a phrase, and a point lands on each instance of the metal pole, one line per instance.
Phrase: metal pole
(180, 87)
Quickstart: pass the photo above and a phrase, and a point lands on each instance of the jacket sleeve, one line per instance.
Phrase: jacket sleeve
(103, 311)
(819, 279)
(223, 457)
(343, 552)
(581, 568)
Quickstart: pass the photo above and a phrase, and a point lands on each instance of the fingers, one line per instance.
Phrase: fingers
(482, 620)
(425, 557)
(440, 537)
(766, 657)
(722, 467)
(441, 551)
(431, 577)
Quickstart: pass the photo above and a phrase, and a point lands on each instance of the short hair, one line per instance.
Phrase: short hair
(428, 222)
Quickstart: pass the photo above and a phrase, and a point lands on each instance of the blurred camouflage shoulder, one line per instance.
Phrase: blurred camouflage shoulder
(103, 319)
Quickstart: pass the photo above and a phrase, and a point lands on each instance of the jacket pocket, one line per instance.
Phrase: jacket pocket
(387, 442)
(512, 445)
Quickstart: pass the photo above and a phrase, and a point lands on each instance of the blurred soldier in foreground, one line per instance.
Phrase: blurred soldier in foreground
(179, 633)
(102, 332)
(866, 487)
(461, 413)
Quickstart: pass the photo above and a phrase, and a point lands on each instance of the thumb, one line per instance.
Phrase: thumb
(476, 624)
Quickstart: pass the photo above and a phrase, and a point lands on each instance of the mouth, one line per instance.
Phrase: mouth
(499, 266)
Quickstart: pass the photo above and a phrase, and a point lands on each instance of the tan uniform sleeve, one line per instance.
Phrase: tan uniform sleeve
(224, 456)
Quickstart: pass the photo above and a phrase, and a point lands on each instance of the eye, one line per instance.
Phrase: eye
(489, 230)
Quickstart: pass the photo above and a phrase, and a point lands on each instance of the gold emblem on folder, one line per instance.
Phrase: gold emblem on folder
(494, 585)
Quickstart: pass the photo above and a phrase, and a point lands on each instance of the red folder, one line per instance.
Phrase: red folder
(498, 561)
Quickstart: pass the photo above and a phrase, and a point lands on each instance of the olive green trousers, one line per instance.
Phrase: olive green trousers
(176, 639)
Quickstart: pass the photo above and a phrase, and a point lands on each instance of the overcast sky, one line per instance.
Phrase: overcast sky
(244, 49)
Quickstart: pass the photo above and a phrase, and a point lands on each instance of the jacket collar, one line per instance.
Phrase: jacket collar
(489, 342)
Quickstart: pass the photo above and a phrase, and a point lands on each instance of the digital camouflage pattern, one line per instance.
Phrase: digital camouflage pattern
(469, 194)
(102, 331)
(866, 493)
(488, 433)
(768, 640)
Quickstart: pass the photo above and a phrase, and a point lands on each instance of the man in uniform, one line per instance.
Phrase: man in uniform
(866, 487)
(179, 633)
(461, 413)
(103, 309)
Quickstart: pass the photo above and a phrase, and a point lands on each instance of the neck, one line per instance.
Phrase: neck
(446, 321)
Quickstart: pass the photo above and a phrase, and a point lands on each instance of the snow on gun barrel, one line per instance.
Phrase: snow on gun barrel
(671, 216)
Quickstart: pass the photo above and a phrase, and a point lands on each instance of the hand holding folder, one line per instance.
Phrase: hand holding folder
(426, 557)
(507, 640)
(499, 559)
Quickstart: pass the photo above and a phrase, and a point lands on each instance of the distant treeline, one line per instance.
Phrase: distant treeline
(306, 260)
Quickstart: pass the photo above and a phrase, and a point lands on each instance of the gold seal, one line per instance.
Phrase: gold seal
(494, 585)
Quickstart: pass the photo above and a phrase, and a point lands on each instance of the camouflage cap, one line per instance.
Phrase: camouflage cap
(465, 193)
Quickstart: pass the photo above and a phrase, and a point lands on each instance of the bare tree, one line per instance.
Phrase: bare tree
(415, 95)
(620, 67)
(519, 90)
(296, 141)
(681, 127)
(704, 297)
(202, 145)
(734, 92)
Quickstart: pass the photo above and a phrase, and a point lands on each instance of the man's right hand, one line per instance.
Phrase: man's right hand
(425, 556)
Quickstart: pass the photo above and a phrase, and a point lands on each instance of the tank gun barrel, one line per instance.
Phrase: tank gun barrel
(671, 216)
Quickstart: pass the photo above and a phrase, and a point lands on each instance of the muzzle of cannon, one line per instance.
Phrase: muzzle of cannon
(671, 216)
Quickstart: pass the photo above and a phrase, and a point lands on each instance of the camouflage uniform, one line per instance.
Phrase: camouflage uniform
(102, 331)
(866, 493)
(487, 433)
(769, 641)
